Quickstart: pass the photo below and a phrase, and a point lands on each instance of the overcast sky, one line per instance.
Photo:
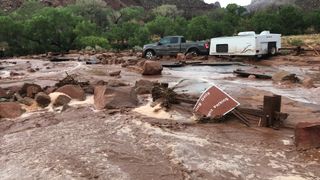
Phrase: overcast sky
(224, 3)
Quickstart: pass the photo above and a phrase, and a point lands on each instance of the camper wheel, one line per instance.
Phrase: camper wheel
(272, 48)
(273, 51)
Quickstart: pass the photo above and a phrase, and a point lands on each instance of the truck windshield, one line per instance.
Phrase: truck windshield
(165, 41)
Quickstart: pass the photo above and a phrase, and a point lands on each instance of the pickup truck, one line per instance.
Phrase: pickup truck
(172, 45)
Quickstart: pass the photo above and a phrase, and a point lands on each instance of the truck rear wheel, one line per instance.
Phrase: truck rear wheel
(194, 52)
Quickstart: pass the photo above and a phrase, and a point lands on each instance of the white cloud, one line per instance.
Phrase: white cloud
(224, 3)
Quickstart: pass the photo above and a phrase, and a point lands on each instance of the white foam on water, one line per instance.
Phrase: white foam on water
(289, 177)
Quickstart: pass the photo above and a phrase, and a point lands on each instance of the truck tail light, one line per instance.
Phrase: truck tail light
(206, 45)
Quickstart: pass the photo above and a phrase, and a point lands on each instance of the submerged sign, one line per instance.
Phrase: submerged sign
(215, 102)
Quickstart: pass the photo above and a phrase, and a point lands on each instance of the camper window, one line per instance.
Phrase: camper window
(222, 48)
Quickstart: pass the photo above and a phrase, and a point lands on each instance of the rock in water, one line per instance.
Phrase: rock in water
(61, 100)
(285, 76)
(308, 82)
(152, 68)
(74, 91)
(30, 90)
(106, 97)
(143, 86)
(10, 110)
(43, 99)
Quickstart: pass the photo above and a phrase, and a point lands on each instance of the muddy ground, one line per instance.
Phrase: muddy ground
(83, 143)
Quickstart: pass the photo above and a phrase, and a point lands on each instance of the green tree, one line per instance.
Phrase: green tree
(266, 20)
(134, 13)
(198, 28)
(291, 20)
(121, 33)
(52, 29)
(167, 10)
(96, 11)
(92, 41)
(140, 37)
(11, 36)
(161, 26)
(312, 20)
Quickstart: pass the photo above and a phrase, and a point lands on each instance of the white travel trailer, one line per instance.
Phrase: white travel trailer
(246, 44)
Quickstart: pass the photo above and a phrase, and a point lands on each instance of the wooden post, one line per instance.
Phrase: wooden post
(271, 104)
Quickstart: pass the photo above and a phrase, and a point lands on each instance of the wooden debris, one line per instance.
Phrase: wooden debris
(246, 74)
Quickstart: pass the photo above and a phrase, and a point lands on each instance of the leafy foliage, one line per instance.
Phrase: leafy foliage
(34, 28)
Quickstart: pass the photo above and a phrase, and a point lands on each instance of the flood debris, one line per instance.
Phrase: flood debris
(282, 76)
(269, 115)
(70, 80)
(215, 104)
(307, 135)
(247, 74)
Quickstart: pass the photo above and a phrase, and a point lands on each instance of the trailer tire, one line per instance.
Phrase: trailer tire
(273, 51)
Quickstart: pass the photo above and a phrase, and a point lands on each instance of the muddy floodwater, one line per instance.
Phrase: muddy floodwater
(83, 143)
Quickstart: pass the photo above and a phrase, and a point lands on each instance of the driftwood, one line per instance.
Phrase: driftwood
(69, 79)
(243, 73)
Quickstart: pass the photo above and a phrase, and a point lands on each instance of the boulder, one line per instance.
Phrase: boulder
(285, 76)
(49, 89)
(307, 135)
(115, 73)
(74, 91)
(24, 100)
(143, 86)
(308, 82)
(42, 99)
(61, 100)
(30, 90)
(152, 68)
(10, 110)
(116, 83)
(106, 97)
(89, 89)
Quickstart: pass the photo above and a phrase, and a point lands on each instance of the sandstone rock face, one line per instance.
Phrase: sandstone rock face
(106, 97)
(30, 90)
(10, 110)
(74, 91)
(307, 135)
(152, 68)
(42, 99)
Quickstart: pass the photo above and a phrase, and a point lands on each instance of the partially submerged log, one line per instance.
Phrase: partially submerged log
(243, 73)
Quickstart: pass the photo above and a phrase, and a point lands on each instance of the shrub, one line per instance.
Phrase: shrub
(93, 41)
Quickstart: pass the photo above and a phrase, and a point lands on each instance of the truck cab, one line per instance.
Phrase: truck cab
(172, 45)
